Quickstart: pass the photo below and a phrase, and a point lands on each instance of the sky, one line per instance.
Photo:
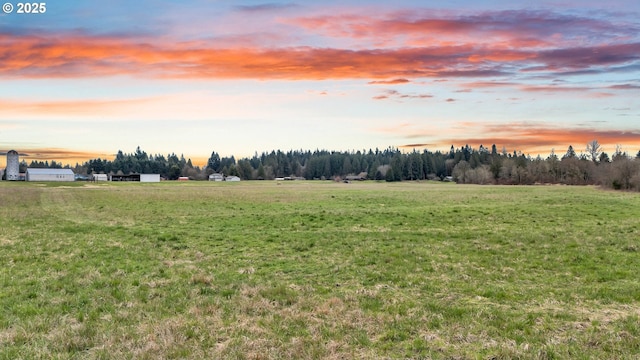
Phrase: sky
(87, 78)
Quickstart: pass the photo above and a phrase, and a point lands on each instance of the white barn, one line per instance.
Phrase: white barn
(149, 177)
(33, 174)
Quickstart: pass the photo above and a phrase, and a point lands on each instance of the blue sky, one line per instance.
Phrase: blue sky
(86, 79)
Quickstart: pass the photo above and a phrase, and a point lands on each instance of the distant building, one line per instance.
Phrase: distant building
(13, 166)
(149, 177)
(216, 177)
(135, 177)
(33, 174)
(183, 178)
(232, 178)
(122, 177)
(99, 177)
(360, 177)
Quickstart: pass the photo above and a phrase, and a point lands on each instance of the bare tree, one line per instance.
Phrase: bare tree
(594, 149)
(619, 154)
(461, 172)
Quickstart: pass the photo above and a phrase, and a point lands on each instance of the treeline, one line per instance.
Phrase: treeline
(463, 165)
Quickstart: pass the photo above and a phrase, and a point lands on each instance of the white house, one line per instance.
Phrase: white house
(34, 174)
(232, 178)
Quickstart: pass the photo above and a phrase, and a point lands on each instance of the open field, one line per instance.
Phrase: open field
(259, 270)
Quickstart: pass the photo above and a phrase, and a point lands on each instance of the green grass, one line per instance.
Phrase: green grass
(261, 270)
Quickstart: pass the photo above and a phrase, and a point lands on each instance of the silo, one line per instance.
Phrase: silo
(13, 165)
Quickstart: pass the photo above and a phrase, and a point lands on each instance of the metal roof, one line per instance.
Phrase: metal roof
(41, 171)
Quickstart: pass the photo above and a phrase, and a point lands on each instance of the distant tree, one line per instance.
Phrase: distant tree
(174, 172)
(245, 171)
(619, 154)
(214, 162)
(140, 155)
(481, 175)
(570, 153)
(261, 175)
(508, 172)
(461, 171)
(624, 171)
(233, 171)
(539, 170)
(346, 166)
(594, 150)
(604, 158)
(395, 171)
(495, 166)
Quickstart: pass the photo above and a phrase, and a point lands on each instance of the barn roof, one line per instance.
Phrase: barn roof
(45, 171)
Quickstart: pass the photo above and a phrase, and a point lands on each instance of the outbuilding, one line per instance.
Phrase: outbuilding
(216, 177)
(99, 177)
(232, 178)
(39, 174)
(149, 177)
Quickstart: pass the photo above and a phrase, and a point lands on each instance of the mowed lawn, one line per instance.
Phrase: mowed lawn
(300, 270)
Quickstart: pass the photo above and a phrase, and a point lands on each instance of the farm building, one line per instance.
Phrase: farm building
(136, 177)
(99, 177)
(33, 174)
(122, 177)
(232, 178)
(13, 166)
(149, 177)
(216, 177)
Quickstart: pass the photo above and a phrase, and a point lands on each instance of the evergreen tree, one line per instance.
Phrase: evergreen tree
(570, 153)
(214, 162)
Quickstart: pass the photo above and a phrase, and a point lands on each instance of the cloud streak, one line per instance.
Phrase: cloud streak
(66, 107)
(266, 7)
(394, 94)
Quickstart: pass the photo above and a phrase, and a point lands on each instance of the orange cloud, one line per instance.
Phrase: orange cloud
(80, 55)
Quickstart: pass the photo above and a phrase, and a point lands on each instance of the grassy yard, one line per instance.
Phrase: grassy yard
(261, 270)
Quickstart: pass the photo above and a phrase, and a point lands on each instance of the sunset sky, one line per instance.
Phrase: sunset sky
(88, 78)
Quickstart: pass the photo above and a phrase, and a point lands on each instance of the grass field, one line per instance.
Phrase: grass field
(261, 270)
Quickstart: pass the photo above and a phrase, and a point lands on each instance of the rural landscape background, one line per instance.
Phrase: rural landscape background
(466, 179)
